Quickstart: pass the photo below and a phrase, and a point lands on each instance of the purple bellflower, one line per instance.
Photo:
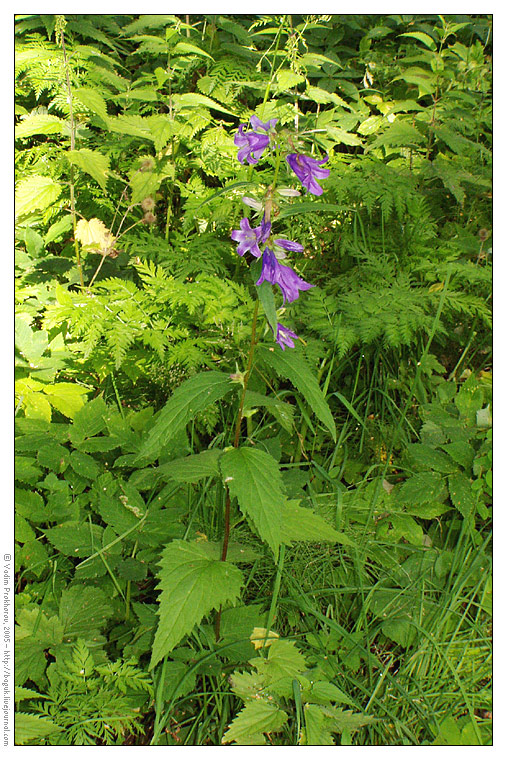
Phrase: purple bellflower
(256, 123)
(248, 239)
(252, 144)
(285, 337)
(289, 282)
(308, 170)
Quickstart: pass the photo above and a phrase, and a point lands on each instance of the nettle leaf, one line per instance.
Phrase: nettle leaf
(293, 366)
(93, 101)
(194, 100)
(92, 162)
(36, 193)
(28, 727)
(39, 124)
(315, 733)
(193, 468)
(302, 524)
(192, 396)
(255, 719)
(192, 585)
(254, 478)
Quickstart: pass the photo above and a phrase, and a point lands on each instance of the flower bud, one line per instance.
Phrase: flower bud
(252, 202)
(287, 192)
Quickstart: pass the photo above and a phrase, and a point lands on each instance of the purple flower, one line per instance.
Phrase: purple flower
(256, 123)
(289, 245)
(285, 277)
(251, 145)
(248, 239)
(308, 171)
(285, 337)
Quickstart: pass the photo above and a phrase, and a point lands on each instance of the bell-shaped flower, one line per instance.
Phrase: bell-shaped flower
(248, 239)
(285, 337)
(308, 170)
(251, 145)
(256, 123)
(278, 274)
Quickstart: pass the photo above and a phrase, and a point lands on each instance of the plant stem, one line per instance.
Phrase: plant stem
(237, 433)
(72, 147)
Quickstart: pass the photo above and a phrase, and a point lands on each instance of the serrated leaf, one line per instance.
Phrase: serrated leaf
(66, 397)
(429, 458)
(144, 184)
(39, 124)
(54, 457)
(315, 733)
(36, 193)
(88, 421)
(74, 539)
(92, 162)
(293, 366)
(319, 95)
(93, 101)
(255, 719)
(193, 468)
(83, 610)
(345, 720)
(192, 396)
(253, 477)
(192, 585)
(28, 727)
(186, 48)
(461, 452)
(84, 465)
(420, 489)
(302, 524)
(461, 494)
(194, 100)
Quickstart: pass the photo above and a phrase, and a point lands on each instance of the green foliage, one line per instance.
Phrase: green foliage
(342, 493)
(192, 585)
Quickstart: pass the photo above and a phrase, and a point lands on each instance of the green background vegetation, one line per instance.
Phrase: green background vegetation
(374, 434)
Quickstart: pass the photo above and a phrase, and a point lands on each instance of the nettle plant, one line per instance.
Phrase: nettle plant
(197, 577)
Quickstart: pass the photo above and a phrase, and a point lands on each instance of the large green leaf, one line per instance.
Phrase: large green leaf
(28, 727)
(293, 366)
(192, 585)
(194, 100)
(192, 396)
(39, 124)
(36, 192)
(93, 101)
(255, 719)
(92, 162)
(193, 468)
(253, 477)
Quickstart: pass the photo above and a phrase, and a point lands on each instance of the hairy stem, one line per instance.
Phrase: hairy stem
(237, 433)
(72, 147)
